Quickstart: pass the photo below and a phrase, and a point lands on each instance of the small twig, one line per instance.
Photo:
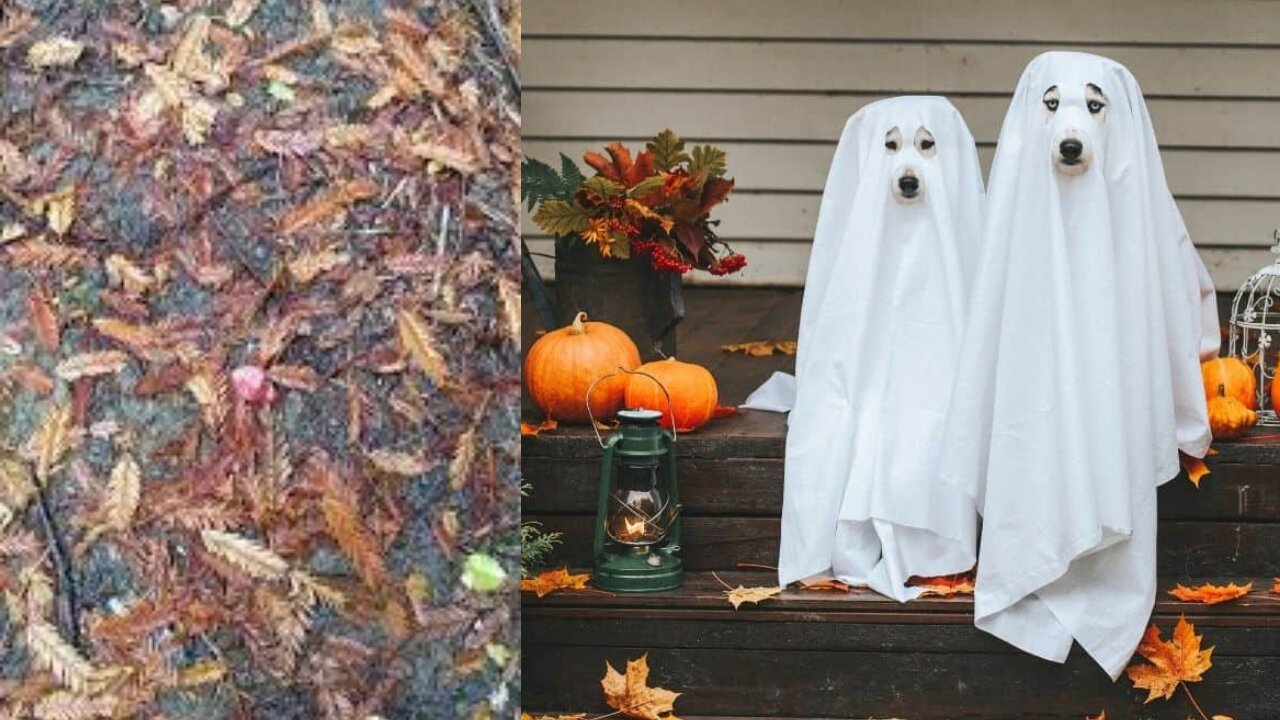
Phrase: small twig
(755, 566)
(68, 611)
(1190, 697)
(726, 585)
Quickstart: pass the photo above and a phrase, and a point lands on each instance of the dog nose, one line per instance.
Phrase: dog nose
(908, 185)
(1071, 149)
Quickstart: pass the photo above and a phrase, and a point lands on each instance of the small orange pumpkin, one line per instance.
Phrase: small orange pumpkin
(1275, 390)
(1229, 418)
(692, 388)
(562, 364)
(1230, 377)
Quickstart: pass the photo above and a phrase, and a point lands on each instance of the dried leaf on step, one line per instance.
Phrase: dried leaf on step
(762, 348)
(1211, 594)
(247, 554)
(550, 581)
(533, 430)
(1195, 467)
(822, 582)
(944, 585)
(1170, 662)
(91, 364)
(631, 695)
(417, 342)
(741, 594)
(53, 653)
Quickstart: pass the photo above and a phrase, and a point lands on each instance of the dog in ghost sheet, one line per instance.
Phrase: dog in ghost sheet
(884, 300)
(1078, 382)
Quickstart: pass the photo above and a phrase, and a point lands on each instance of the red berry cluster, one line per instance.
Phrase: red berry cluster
(730, 264)
(661, 259)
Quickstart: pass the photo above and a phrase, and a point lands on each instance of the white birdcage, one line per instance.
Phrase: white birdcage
(1255, 330)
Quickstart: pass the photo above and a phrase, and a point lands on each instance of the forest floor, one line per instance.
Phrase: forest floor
(259, 320)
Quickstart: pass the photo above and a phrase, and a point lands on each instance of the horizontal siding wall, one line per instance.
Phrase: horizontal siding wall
(772, 82)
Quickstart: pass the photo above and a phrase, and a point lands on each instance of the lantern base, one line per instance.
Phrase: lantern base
(634, 572)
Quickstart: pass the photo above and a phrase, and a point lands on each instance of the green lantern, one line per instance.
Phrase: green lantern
(637, 538)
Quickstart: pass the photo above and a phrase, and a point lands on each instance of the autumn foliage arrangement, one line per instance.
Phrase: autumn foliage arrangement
(656, 204)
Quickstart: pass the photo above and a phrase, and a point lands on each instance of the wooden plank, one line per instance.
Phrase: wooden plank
(1182, 22)
(791, 167)
(793, 216)
(702, 596)
(756, 434)
(1185, 548)
(1179, 70)
(564, 485)
(637, 115)
(920, 686)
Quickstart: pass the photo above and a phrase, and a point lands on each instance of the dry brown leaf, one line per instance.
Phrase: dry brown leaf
(762, 348)
(123, 273)
(65, 705)
(631, 695)
(464, 456)
(1195, 467)
(533, 430)
(509, 297)
(140, 340)
(309, 266)
(416, 340)
(342, 518)
(124, 492)
(756, 595)
(44, 320)
(40, 253)
(247, 554)
(296, 377)
(53, 653)
(54, 52)
(417, 65)
(550, 581)
(1211, 594)
(1180, 660)
(394, 462)
(823, 583)
(1276, 587)
(327, 204)
(944, 585)
(51, 441)
(91, 364)
(59, 209)
(203, 672)
(240, 11)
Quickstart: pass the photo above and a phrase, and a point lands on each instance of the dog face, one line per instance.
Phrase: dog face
(906, 181)
(1076, 116)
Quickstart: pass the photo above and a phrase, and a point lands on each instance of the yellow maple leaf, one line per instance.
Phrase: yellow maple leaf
(1170, 663)
(631, 695)
(1211, 594)
(549, 581)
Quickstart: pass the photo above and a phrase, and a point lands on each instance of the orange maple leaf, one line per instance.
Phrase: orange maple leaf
(1211, 594)
(1195, 467)
(532, 430)
(619, 167)
(1171, 663)
(631, 695)
(945, 585)
(550, 581)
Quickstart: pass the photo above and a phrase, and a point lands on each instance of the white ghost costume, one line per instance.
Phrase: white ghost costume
(1079, 379)
(880, 323)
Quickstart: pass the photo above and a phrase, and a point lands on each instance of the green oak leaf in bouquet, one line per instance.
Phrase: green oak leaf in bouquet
(656, 204)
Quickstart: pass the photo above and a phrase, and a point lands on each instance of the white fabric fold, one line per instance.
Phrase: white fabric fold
(880, 324)
(1079, 379)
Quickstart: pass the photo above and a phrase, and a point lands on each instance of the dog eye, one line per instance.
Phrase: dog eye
(1051, 103)
(1095, 106)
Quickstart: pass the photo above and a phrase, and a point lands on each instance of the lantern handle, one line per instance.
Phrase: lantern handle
(591, 416)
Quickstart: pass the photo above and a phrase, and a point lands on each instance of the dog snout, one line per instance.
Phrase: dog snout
(1071, 149)
(909, 185)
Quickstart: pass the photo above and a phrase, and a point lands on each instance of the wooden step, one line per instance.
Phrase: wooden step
(731, 490)
(822, 654)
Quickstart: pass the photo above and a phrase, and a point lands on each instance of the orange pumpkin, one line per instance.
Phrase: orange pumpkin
(562, 364)
(1230, 377)
(1275, 390)
(1229, 418)
(692, 388)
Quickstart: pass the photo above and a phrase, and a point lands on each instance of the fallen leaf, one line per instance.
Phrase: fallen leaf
(240, 12)
(1195, 467)
(1276, 587)
(532, 430)
(124, 492)
(550, 581)
(297, 377)
(944, 585)
(54, 52)
(92, 364)
(482, 573)
(724, 411)
(762, 348)
(246, 553)
(631, 695)
(1211, 594)
(393, 462)
(416, 340)
(756, 595)
(326, 204)
(1170, 663)
(822, 582)
(44, 320)
(202, 672)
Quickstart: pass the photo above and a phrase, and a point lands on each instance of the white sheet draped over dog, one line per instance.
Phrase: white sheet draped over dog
(879, 328)
(1079, 379)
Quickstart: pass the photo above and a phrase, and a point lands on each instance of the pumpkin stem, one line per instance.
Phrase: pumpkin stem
(1222, 390)
(578, 328)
